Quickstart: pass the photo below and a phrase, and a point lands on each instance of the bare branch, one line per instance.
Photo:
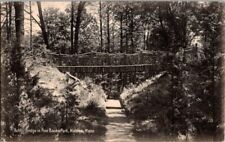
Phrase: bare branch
(33, 18)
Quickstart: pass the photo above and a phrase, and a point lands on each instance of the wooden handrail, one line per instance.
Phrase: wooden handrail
(110, 68)
(106, 66)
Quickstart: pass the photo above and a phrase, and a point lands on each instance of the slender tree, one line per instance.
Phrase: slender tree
(30, 25)
(113, 37)
(121, 32)
(131, 31)
(72, 26)
(10, 19)
(7, 21)
(43, 26)
(100, 18)
(77, 26)
(108, 30)
(126, 31)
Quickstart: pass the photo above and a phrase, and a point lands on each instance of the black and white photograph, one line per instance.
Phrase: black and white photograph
(112, 71)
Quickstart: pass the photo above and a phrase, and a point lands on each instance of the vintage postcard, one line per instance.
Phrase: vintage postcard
(112, 71)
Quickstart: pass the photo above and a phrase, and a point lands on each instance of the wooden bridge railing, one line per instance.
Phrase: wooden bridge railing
(111, 68)
(109, 59)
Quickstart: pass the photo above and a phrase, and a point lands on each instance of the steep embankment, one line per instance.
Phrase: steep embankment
(148, 103)
(58, 101)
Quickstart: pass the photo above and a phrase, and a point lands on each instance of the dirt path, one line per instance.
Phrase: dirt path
(119, 129)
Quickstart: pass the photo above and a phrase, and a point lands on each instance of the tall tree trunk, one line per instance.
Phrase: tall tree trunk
(10, 19)
(100, 18)
(31, 40)
(113, 38)
(77, 26)
(43, 26)
(108, 31)
(126, 47)
(72, 20)
(19, 23)
(121, 32)
(17, 66)
(144, 37)
(7, 20)
(131, 32)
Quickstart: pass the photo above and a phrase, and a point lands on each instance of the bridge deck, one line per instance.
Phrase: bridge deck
(110, 68)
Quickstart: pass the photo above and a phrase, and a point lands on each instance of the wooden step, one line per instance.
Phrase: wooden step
(113, 104)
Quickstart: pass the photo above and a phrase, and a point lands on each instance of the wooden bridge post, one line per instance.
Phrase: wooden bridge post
(119, 82)
(134, 76)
